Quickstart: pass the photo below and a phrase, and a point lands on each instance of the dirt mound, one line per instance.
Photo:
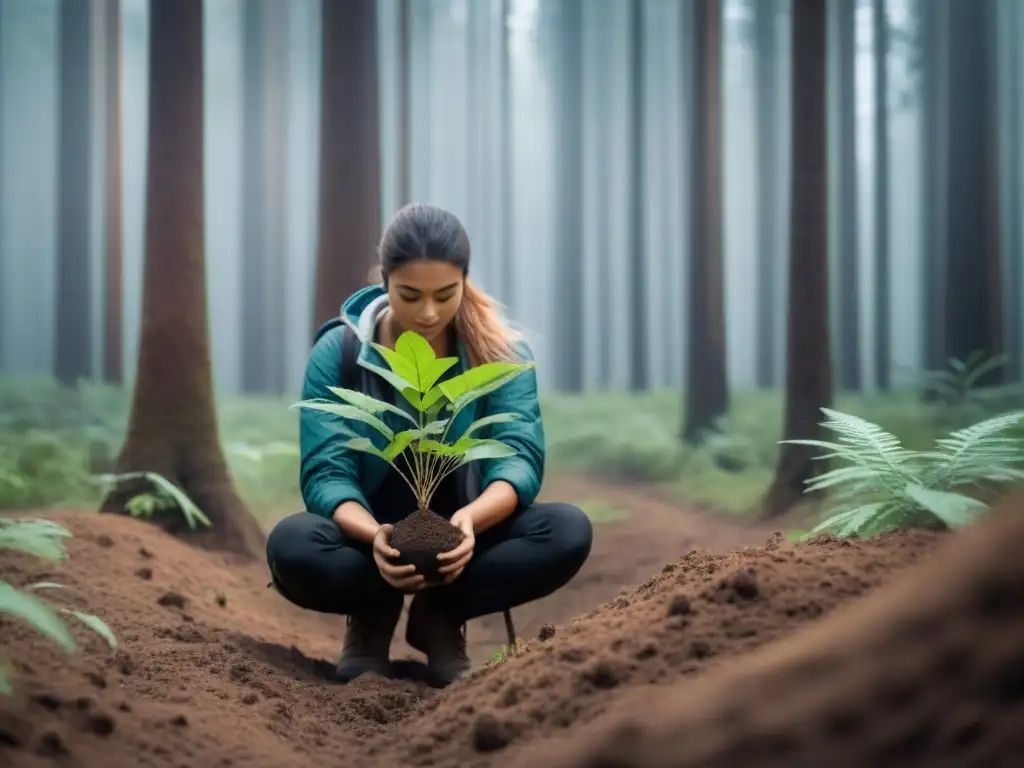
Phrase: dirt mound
(928, 672)
(699, 613)
(208, 671)
(214, 669)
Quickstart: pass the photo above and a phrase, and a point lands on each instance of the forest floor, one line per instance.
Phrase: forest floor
(214, 669)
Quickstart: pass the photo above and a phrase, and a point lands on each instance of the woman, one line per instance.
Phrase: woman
(515, 550)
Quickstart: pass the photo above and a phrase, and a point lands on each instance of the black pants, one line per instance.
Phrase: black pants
(532, 553)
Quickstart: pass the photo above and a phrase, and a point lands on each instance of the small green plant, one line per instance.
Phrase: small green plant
(45, 539)
(884, 485)
(957, 384)
(164, 497)
(414, 372)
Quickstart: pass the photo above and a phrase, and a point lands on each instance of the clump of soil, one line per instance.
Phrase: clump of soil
(420, 538)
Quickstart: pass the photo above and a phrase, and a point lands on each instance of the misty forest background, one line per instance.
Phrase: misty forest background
(696, 210)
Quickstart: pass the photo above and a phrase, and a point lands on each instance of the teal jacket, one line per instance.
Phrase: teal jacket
(331, 474)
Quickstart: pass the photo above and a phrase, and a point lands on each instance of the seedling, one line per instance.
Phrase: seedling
(414, 371)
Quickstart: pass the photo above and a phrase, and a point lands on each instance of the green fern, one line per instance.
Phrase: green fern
(883, 485)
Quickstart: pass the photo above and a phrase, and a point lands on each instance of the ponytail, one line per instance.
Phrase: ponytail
(479, 325)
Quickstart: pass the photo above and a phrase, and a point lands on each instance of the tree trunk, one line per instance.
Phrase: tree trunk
(883, 361)
(808, 357)
(707, 394)
(569, 264)
(768, 172)
(74, 297)
(974, 314)
(350, 216)
(934, 191)
(639, 368)
(113, 347)
(173, 427)
(848, 260)
(264, 183)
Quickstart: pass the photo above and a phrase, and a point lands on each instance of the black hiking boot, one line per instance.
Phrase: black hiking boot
(443, 641)
(367, 644)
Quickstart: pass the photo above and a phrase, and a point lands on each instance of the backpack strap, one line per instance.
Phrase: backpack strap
(349, 358)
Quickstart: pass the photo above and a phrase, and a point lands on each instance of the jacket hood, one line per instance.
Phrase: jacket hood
(363, 307)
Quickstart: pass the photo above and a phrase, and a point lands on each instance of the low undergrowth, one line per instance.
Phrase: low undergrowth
(57, 443)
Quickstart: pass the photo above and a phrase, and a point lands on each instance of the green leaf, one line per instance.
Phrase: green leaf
(36, 613)
(401, 442)
(94, 623)
(366, 446)
(486, 421)
(41, 538)
(429, 368)
(488, 449)
(477, 382)
(407, 390)
(954, 509)
(369, 404)
(399, 364)
(433, 401)
(350, 412)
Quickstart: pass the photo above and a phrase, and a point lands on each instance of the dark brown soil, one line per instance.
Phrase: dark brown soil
(421, 537)
(215, 670)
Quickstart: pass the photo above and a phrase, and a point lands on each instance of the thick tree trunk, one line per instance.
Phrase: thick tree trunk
(113, 347)
(707, 393)
(974, 313)
(173, 427)
(848, 262)
(74, 297)
(808, 357)
(350, 217)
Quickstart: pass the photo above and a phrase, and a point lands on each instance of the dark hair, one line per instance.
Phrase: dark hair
(425, 232)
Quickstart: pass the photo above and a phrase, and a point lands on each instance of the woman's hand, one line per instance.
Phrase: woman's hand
(455, 561)
(403, 577)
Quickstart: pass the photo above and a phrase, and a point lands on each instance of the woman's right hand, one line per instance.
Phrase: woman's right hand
(403, 577)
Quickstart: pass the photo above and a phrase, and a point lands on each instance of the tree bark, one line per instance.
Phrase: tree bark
(768, 171)
(707, 394)
(569, 301)
(883, 361)
(639, 364)
(172, 429)
(74, 297)
(350, 216)
(974, 313)
(850, 377)
(113, 347)
(808, 357)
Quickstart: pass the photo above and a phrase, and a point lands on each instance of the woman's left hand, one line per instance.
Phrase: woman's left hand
(455, 561)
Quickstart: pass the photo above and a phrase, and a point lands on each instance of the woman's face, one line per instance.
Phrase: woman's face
(424, 296)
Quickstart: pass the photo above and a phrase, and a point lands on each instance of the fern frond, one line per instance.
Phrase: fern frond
(978, 453)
